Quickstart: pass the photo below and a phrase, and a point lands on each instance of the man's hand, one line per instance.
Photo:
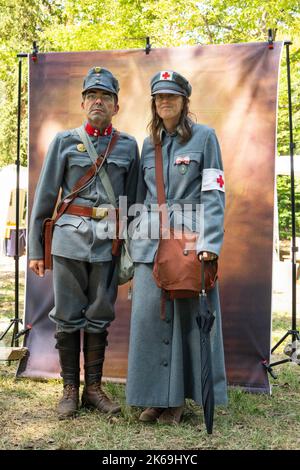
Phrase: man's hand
(207, 256)
(37, 266)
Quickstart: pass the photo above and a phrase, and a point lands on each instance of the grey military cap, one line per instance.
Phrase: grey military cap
(101, 79)
(167, 81)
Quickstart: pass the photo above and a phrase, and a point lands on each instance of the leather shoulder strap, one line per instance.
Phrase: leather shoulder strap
(83, 180)
(160, 188)
(159, 174)
(98, 163)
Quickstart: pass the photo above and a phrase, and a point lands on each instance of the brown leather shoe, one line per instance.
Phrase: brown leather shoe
(149, 415)
(94, 397)
(69, 403)
(171, 415)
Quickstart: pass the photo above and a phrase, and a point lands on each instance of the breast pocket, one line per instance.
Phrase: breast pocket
(78, 166)
(117, 167)
(79, 160)
(72, 222)
(188, 163)
(119, 161)
(148, 165)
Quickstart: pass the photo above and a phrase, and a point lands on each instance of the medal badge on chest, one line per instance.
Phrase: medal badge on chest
(81, 148)
(182, 169)
(182, 164)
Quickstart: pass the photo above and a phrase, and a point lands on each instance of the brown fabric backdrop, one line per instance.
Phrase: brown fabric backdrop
(234, 91)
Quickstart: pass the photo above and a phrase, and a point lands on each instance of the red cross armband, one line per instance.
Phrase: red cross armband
(213, 178)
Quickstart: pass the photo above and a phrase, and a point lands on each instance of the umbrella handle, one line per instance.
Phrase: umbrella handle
(202, 275)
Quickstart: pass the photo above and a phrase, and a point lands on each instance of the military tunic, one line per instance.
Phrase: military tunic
(81, 246)
(164, 364)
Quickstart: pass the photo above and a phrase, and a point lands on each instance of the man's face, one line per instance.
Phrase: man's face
(99, 107)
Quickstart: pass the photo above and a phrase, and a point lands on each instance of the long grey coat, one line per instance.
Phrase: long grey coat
(164, 364)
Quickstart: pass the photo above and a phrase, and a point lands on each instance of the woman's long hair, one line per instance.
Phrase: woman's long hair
(184, 126)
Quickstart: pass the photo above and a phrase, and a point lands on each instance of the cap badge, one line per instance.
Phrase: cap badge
(81, 148)
(97, 69)
(166, 75)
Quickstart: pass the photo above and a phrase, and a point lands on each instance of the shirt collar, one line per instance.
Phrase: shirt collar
(93, 131)
(164, 132)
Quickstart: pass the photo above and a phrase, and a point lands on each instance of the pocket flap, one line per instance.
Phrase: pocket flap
(121, 161)
(67, 219)
(188, 156)
(148, 162)
(79, 160)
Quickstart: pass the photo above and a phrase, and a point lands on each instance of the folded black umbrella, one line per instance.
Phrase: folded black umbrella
(205, 320)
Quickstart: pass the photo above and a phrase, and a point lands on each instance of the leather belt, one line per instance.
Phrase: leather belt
(188, 204)
(87, 211)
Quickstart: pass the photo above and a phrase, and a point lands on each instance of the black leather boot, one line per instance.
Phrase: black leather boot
(93, 396)
(68, 345)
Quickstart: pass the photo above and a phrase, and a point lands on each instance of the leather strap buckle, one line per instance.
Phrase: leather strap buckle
(99, 212)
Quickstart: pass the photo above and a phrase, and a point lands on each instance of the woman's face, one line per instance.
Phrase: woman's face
(168, 106)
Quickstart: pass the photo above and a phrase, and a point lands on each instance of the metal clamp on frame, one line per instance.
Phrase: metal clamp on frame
(148, 45)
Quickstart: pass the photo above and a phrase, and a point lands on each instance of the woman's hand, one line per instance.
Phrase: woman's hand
(207, 256)
(37, 266)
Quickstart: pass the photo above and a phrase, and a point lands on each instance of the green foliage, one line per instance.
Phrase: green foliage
(74, 25)
(20, 23)
(284, 206)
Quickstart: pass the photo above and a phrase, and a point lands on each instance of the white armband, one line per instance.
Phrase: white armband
(213, 178)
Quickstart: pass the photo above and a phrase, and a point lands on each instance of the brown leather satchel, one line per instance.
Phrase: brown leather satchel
(177, 268)
(64, 206)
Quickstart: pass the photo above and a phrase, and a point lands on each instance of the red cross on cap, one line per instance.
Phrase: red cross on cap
(166, 75)
(220, 181)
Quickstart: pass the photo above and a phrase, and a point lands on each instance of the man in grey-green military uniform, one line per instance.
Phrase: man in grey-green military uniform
(85, 281)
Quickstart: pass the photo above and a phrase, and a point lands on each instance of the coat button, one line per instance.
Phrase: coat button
(165, 363)
(167, 320)
(166, 341)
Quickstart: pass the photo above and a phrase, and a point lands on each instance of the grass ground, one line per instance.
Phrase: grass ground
(28, 418)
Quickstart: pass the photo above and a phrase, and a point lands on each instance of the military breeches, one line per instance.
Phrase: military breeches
(84, 295)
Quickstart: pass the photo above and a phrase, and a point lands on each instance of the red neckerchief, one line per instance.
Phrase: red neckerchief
(96, 132)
